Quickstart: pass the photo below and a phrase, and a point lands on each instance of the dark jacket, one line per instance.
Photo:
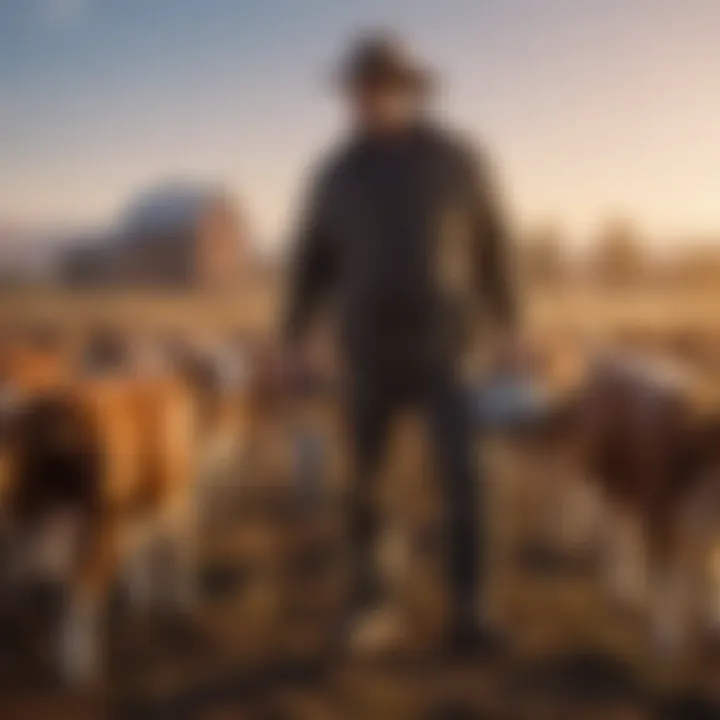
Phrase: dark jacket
(405, 236)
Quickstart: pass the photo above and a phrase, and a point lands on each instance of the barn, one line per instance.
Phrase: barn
(176, 234)
(87, 262)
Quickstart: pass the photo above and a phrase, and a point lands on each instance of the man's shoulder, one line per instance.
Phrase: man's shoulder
(449, 140)
(335, 161)
(459, 152)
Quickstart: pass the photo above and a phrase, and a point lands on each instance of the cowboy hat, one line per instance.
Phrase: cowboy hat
(381, 60)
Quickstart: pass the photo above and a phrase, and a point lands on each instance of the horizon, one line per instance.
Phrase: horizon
(590, 113)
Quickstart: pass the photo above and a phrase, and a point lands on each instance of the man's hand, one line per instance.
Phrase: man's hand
(293, 364)
(299, 367)
(510, 353)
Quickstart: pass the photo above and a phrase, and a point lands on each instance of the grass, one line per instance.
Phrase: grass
(583, 308)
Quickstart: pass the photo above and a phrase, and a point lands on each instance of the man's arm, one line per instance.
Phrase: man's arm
(313, 265)
(492, 251)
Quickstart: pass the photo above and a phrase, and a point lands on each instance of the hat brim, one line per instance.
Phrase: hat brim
(420, 81)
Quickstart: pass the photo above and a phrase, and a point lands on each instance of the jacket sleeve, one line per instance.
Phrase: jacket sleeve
(313, 263)
(491, 244)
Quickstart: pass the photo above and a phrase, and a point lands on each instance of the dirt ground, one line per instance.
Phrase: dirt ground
(272, 582)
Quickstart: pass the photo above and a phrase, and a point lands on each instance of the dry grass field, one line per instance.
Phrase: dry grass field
(587, 309)
(141, 309)
(272, 577)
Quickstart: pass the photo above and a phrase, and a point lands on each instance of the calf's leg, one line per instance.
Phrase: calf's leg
(624, 561)
(81, 625)
(668, 608)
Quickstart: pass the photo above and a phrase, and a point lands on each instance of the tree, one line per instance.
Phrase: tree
(617, 257)
(545, 256)
(695, 263)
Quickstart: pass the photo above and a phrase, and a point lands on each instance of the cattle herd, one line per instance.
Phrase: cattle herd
(106, 442)
(108, 438)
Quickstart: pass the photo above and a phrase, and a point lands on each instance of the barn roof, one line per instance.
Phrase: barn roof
(168, 207)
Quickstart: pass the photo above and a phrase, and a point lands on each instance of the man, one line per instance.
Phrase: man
(403, 233)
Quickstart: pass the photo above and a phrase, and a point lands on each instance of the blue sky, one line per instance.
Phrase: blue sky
(590, 108)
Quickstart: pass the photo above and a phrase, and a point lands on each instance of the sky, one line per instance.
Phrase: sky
(589, 109)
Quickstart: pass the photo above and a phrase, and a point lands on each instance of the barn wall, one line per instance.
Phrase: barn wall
(156, 258)
(217, 254)
(209, 253)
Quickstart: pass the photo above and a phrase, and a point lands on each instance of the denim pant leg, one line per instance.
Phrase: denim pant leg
(370, 411)
(454, 436)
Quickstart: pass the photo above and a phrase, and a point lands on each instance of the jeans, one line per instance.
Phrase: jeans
(374, 402)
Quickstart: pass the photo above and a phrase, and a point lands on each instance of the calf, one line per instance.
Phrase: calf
(101, 466)
(219, 379)
(27, 371)
(656, 460)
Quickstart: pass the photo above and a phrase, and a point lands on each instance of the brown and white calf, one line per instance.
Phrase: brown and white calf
(98, 471)
(656, 459)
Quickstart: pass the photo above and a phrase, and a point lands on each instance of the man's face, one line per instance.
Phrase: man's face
(384, 108)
